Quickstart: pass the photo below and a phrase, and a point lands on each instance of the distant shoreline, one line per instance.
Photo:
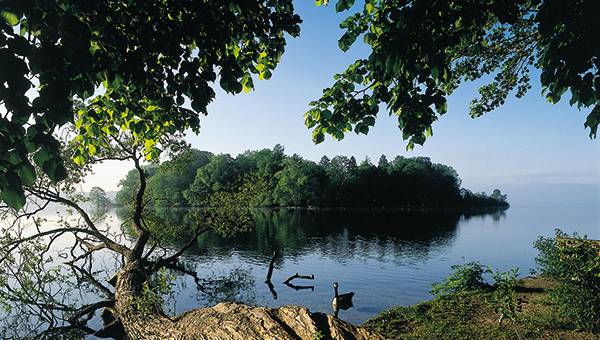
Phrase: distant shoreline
(490, 208)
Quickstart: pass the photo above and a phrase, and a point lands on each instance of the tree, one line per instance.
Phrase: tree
(497, 195)
(131, 304)
(152, 53)
(282, 180)
(421, 51)
(98, 197)
(324, 162)
(173, 177)
(297, 183)
(383, 162)
(129, 67)
(130, 184)
(217, 175)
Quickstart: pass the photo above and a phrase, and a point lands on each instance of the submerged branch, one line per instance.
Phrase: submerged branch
(298, 276)
(271, 265)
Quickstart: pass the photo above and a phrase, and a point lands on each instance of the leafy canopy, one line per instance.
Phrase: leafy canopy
(135, 63)
(421, 51)
(145, 57)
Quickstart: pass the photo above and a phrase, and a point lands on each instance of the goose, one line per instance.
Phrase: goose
(341, 301)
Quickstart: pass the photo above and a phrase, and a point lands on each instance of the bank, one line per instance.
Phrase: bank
(471, 315)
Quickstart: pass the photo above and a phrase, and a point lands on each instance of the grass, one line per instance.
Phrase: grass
(470, 315)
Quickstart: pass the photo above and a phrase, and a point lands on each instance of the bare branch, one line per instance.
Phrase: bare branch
(164, 261)
(93, 230)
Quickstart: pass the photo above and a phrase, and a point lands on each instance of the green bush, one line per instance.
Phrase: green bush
(575, 264)
(464, 277)
(503, 298)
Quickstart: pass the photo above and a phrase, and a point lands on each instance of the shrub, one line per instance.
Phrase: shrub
(465, 277)
(503, 298)
(575, 264)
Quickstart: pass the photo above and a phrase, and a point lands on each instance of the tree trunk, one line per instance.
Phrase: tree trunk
(225, 320)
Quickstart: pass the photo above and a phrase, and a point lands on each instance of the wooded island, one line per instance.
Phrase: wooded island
(280, 180)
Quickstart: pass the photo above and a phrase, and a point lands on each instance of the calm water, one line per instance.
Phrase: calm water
(387, 258)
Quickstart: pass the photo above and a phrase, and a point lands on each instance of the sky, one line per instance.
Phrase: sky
(527, 144)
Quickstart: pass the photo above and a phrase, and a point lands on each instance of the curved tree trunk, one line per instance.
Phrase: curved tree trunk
(225, 320)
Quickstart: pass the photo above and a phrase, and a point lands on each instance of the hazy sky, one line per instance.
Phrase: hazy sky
(526, 141)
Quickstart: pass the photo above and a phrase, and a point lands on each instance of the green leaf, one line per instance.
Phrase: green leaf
(41, 157)
(13, 198)
(10, 17)
(79, 160)
(309, 122)
(57, 172)
(27, 174)
(318, 136)
(149, 143)
(347, 40)
(234, 8)
(94, 46)
(592, 121)
(428, 132)
(338, 134)
(343, 5)
(361, 128)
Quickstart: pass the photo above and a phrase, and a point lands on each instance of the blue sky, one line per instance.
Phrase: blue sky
(526, 141)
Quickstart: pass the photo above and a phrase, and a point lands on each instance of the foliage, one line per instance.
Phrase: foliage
(575, 263)
(167, 186)
(294, 181)
(470, 277)
(298, 182)
(504, 296)
(97, 196)
(153, 292)
(318, 335)
(88, 245)
(134, 65)
(130, 184)
(35, 289)
(219, 174)
(144, 58)
(422, 51)
(228, 211)
(498, 196)
(464, 278)
(465, 315)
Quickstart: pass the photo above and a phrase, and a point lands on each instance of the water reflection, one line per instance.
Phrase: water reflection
(374, 253)
(388, 258)
(336, 234)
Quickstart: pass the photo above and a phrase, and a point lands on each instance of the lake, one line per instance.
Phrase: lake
(388, 258)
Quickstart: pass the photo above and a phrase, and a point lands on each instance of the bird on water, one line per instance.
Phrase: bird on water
(341, 301)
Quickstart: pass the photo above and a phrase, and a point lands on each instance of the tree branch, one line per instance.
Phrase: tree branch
(143, 234)
(93, 230)
(164, 261)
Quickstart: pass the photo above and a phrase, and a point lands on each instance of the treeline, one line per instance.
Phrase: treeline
(282, 180)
